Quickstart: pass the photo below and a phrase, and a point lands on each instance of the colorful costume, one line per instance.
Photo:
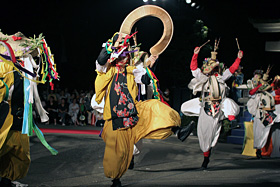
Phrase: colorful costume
(18, 91)
(149, 119)
(127, 120)
(275, 130)
(262, 106)
(213, 106)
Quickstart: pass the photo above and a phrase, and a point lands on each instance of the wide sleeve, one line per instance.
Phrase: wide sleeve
(198, 74)
(226, 75)
(102, 82)
(103, 57)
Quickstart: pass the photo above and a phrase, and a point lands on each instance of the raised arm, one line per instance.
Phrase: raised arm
(193, 64)
(230, 71)
(104, 55)
(254, 90)
(236, 63)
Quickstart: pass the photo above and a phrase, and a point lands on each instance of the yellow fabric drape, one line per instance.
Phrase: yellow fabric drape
(9, 80)
(14, 146)
(15, 156)
(155, 122)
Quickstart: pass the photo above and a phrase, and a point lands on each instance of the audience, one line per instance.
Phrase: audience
(74, 108)
(62, 111)
(52, 109)
(74, 111)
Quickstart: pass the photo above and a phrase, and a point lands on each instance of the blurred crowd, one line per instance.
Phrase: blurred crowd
(70, 108)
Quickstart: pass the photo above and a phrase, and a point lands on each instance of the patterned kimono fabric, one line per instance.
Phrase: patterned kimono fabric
(123, 111)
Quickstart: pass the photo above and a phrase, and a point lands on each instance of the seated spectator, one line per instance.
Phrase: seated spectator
(62, 111)
(52, 109)
(74, 111)
(82, 113)
(89, 110)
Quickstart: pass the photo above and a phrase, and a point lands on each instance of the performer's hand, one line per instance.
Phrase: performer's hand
(196, 50)
(152, 59)
(240, 54)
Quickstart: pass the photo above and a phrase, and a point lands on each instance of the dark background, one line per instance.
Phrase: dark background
(75, 31)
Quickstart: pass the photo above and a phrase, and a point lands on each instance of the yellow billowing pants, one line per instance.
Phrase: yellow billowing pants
(15, 156)
(155, 122)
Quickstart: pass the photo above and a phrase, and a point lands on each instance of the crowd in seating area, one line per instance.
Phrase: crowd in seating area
(66, 107)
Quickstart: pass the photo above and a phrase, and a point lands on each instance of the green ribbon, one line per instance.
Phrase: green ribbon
(30, 120)
(41, 137)
(7, 90)
(32, 126)
(156, 93)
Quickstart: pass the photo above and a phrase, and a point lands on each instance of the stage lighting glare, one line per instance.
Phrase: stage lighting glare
(193, 4)
(154, 0)
(188, 1)
(145, 1)
(197, 7)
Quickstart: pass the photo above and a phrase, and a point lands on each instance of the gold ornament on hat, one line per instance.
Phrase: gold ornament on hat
(212, 62)
(265, 81)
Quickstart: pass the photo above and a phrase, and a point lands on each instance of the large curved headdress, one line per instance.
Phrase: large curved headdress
(14, 49)
(20, 44)
(150, 10)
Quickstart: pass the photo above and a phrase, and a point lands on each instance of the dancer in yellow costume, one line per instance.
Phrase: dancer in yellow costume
(126, 120)
(14, 152)
(18, 90)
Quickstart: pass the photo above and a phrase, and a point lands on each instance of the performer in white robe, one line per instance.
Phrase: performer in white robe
(213, 106)
(262, 106)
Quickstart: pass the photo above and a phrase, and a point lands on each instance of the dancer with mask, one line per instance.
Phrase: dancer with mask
(213, 106)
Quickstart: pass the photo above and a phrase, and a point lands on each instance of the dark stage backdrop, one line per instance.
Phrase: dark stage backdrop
(75, 31)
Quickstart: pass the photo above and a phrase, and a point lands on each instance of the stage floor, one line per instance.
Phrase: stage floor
(162, 163)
